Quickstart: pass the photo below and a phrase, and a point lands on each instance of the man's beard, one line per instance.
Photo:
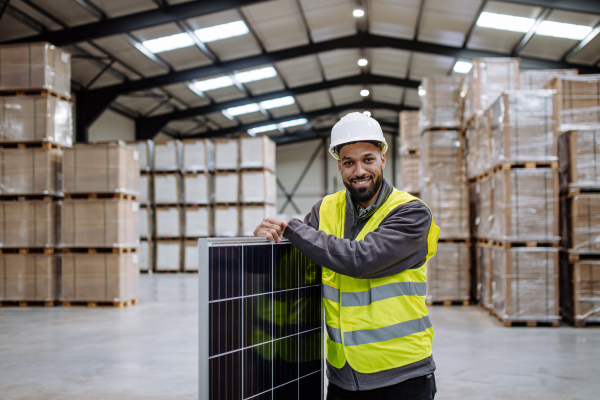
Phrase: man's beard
(367, 192)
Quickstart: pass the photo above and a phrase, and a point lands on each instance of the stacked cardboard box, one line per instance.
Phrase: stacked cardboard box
(226, 187)
(538, 78)
(36, 123)
(439, 102)
(576, 103)
(99, 234)
(410, 152)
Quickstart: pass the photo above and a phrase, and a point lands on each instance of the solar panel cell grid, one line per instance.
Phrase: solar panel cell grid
(264, 322)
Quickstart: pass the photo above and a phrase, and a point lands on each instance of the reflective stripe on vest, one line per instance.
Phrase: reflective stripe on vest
(375, 324)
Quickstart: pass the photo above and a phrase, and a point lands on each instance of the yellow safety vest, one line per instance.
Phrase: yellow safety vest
(375, 324)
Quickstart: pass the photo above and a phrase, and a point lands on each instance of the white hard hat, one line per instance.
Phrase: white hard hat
(356, 127)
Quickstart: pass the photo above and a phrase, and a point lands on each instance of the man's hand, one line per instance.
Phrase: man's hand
(271, 228)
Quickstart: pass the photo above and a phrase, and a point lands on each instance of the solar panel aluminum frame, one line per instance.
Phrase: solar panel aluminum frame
(204, 245)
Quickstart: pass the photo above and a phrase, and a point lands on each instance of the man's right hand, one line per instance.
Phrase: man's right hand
(271, 228)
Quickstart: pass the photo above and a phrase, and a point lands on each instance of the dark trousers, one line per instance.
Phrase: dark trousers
(419, 388)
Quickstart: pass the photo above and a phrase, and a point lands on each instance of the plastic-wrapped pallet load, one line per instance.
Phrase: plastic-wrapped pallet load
(579, 152)
(146, 253)
(167, 155)
(145, 223)
(442, 156)
(145, 182)
(197, 221)
(439, 102)
(99, 277)
(196, 188)
(486, 81)
(522, 128)
(36, 118)
(168, 255)
(525, 284)
(99, 223)
(538, 78)
(35, 66)
(478, 147)
(448, 273)
(580, 291)
(190, 255)
(145, 149)
(226, 154)
(410, 173)
(483, 208)
(226, 221)
(227, 187)
(166, 188)
(449, 204)
(253, 215)
(101, 168)
(28, 277)
(198, 155)
(577, 102)
(484, 269)
(258, 187)
(31, 172)
(168, 222)
(580, 225)
(29, 223)
(257, 153)
(525, 205)
(410, 134)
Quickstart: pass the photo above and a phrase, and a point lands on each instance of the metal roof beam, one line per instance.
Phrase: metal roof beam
(132, 22)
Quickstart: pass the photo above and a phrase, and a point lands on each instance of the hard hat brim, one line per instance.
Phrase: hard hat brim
(333, 146)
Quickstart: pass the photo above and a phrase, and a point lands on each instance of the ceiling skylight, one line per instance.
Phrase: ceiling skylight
(294, 122)
(224, 31)
(256, 74)
(245, 109)
(214, 83)
(169, 43)
(280, 102)
(273, 127)
(505, 22)
(562, 30)
(260, 129)
(462, 67)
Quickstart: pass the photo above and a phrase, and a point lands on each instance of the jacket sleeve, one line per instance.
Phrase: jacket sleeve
(399, 243)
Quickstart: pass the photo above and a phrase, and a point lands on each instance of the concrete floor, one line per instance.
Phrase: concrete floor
(150, 351)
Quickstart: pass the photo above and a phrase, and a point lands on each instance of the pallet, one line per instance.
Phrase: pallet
(577, 191)
(27, 250)
(28, 303)
(507, 245)
(190, 271)
(447, 303)
(97, 250)
(96, 196)
(585, 324)
(166, 271)
(27, 197)
(576, 257)
(528, 324)
(480, 177)
(32, 92)
(37, 144)
(525, 165)
(466, 241)
(227, 204)
(484, 308)
(411, 152)
(96, 304)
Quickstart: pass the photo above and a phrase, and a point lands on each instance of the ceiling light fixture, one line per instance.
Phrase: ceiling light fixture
(224, 31)
(462, 67)
(505, 22)
(256, 75)
(214, 83)
(273, 127)
(364, 93)
(168, 43)
(280, 102)
(562, 30)
(294, 122)
(422, 92)
(358, 13)
(367, 113)
(362, 62)
(240, 110)
(260, 129)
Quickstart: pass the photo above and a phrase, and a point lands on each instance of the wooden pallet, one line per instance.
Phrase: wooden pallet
(96, 196)
(575, 257)
(507, 245)
(27, 197)
(28, 303)
(37, 144)
(166, 271)
(97, 250)
(484, 308)
(525, 165)
(528, 324)
(27, 250)
(447, 303)
(466, 241)
(96, 304)
(577, 191)
(191, 271)
(411, 152)
(32, 92)
(585, 324)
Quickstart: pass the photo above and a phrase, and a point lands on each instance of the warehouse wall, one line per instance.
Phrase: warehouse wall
(112, 126)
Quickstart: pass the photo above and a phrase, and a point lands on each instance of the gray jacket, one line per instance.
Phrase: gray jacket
(399, 243)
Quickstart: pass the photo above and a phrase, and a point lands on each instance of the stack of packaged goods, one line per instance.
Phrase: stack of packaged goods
(258, 187)
(410, 152)
(578, 116)
(167, 196)
(444, 189)
(226, 188)
(513, 168)
(36, 126)
(538, 78)
(146, 212)
(99, 233)
(197, 167)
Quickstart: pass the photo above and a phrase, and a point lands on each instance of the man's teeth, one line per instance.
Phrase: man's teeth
(360, 183)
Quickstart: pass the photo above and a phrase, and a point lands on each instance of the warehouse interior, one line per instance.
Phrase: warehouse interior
(142, 140)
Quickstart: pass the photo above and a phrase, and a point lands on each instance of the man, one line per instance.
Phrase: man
(373, 242)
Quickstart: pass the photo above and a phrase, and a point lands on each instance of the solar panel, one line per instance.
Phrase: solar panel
(260, 327)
